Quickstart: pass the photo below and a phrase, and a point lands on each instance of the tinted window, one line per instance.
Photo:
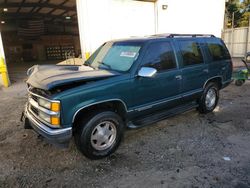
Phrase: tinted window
(218, 51)
(191, 53)
(160, 56)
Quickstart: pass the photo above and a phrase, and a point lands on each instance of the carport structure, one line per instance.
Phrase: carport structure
(49, 11)
(38, 31)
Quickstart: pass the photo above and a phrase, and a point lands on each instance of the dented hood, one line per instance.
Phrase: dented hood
(47, 77)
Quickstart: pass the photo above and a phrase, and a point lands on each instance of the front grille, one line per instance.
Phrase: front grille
(35, 98)
(34, 110)
(40, 92)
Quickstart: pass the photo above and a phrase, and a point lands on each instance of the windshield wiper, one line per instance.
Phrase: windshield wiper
(106, 65)
(89, 65)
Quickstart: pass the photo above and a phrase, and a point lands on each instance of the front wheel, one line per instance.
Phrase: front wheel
(209, 99)
(99, 135)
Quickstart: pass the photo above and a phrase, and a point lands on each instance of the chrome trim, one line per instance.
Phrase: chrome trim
(165, 101)
(124, 104)
(144, 108)
(178, 77)
(211, 79)
(57, 101)
(155, 104)
(192, 92)
(36, 105)
(46, 111)
(147, 72)
(41, 120)
(46, 129)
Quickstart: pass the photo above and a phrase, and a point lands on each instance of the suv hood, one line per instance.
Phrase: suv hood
(47, 77)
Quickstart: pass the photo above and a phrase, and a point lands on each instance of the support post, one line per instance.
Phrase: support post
(4, 77)
(156, 17)
(83, 17)
(232, 36)
(248, 38)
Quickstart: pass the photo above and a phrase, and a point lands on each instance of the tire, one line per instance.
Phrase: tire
(208, 104)
(239, 82)
(99, 135)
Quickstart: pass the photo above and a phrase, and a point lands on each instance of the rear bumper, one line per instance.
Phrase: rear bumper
(59, 137)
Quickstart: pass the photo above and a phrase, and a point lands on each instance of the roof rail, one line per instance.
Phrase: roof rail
(189, 35)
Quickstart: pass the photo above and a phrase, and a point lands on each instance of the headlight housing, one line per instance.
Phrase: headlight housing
(44, 116)
(51, 112)
(52, 120)
(44, 103)
(53, 106)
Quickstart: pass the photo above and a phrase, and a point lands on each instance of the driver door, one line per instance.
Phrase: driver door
(162, 90)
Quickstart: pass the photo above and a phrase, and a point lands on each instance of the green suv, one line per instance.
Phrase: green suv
(125, 84)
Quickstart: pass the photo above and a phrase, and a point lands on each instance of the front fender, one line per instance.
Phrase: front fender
(91, 103)
(70, 114)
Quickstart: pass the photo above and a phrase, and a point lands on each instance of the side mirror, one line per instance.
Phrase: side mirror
(248, 57)
(147, 72)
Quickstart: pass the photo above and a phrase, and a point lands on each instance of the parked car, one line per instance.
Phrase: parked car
(125, 84)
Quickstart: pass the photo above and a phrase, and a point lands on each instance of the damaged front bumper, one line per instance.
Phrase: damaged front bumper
(60, 137)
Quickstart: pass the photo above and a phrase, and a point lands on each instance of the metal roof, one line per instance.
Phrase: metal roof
(47, 10)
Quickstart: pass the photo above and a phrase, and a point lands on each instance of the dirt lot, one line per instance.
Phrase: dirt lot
(184, 151)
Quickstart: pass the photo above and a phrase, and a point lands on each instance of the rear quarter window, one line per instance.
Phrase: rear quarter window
(191, 52)
(217, 50)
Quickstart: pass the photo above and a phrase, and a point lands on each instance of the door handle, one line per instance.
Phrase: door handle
(178, 77)
(205, 70)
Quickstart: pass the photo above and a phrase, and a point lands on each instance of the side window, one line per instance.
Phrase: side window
(160, 56)
(217, 50)
(191, 53)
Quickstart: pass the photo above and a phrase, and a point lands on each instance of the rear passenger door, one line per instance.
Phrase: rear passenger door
(219, 59)
(194, 69)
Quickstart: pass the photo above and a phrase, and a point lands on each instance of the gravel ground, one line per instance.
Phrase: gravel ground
(188, 150)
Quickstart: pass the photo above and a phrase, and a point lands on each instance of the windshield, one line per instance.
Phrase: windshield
(118, 56)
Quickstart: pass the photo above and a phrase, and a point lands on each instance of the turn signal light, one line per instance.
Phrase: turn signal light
(55, 107)
(55, 121)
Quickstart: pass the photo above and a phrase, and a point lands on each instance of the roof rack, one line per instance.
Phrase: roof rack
(189, 35)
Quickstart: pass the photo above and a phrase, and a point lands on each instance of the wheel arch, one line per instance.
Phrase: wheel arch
(216, 79)
(116, 105)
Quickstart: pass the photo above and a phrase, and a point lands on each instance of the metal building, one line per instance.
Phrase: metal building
(49, 31)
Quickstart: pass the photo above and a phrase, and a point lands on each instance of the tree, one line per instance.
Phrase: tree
(245, 8)
(233, 7)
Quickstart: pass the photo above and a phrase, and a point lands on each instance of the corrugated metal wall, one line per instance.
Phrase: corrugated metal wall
(237, 41)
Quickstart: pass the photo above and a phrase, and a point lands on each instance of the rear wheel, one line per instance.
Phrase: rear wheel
(209, 99)
(99, 135)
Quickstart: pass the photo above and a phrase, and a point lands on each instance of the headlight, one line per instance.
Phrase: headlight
(53, 120)
(53, 107)
(44, 103)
